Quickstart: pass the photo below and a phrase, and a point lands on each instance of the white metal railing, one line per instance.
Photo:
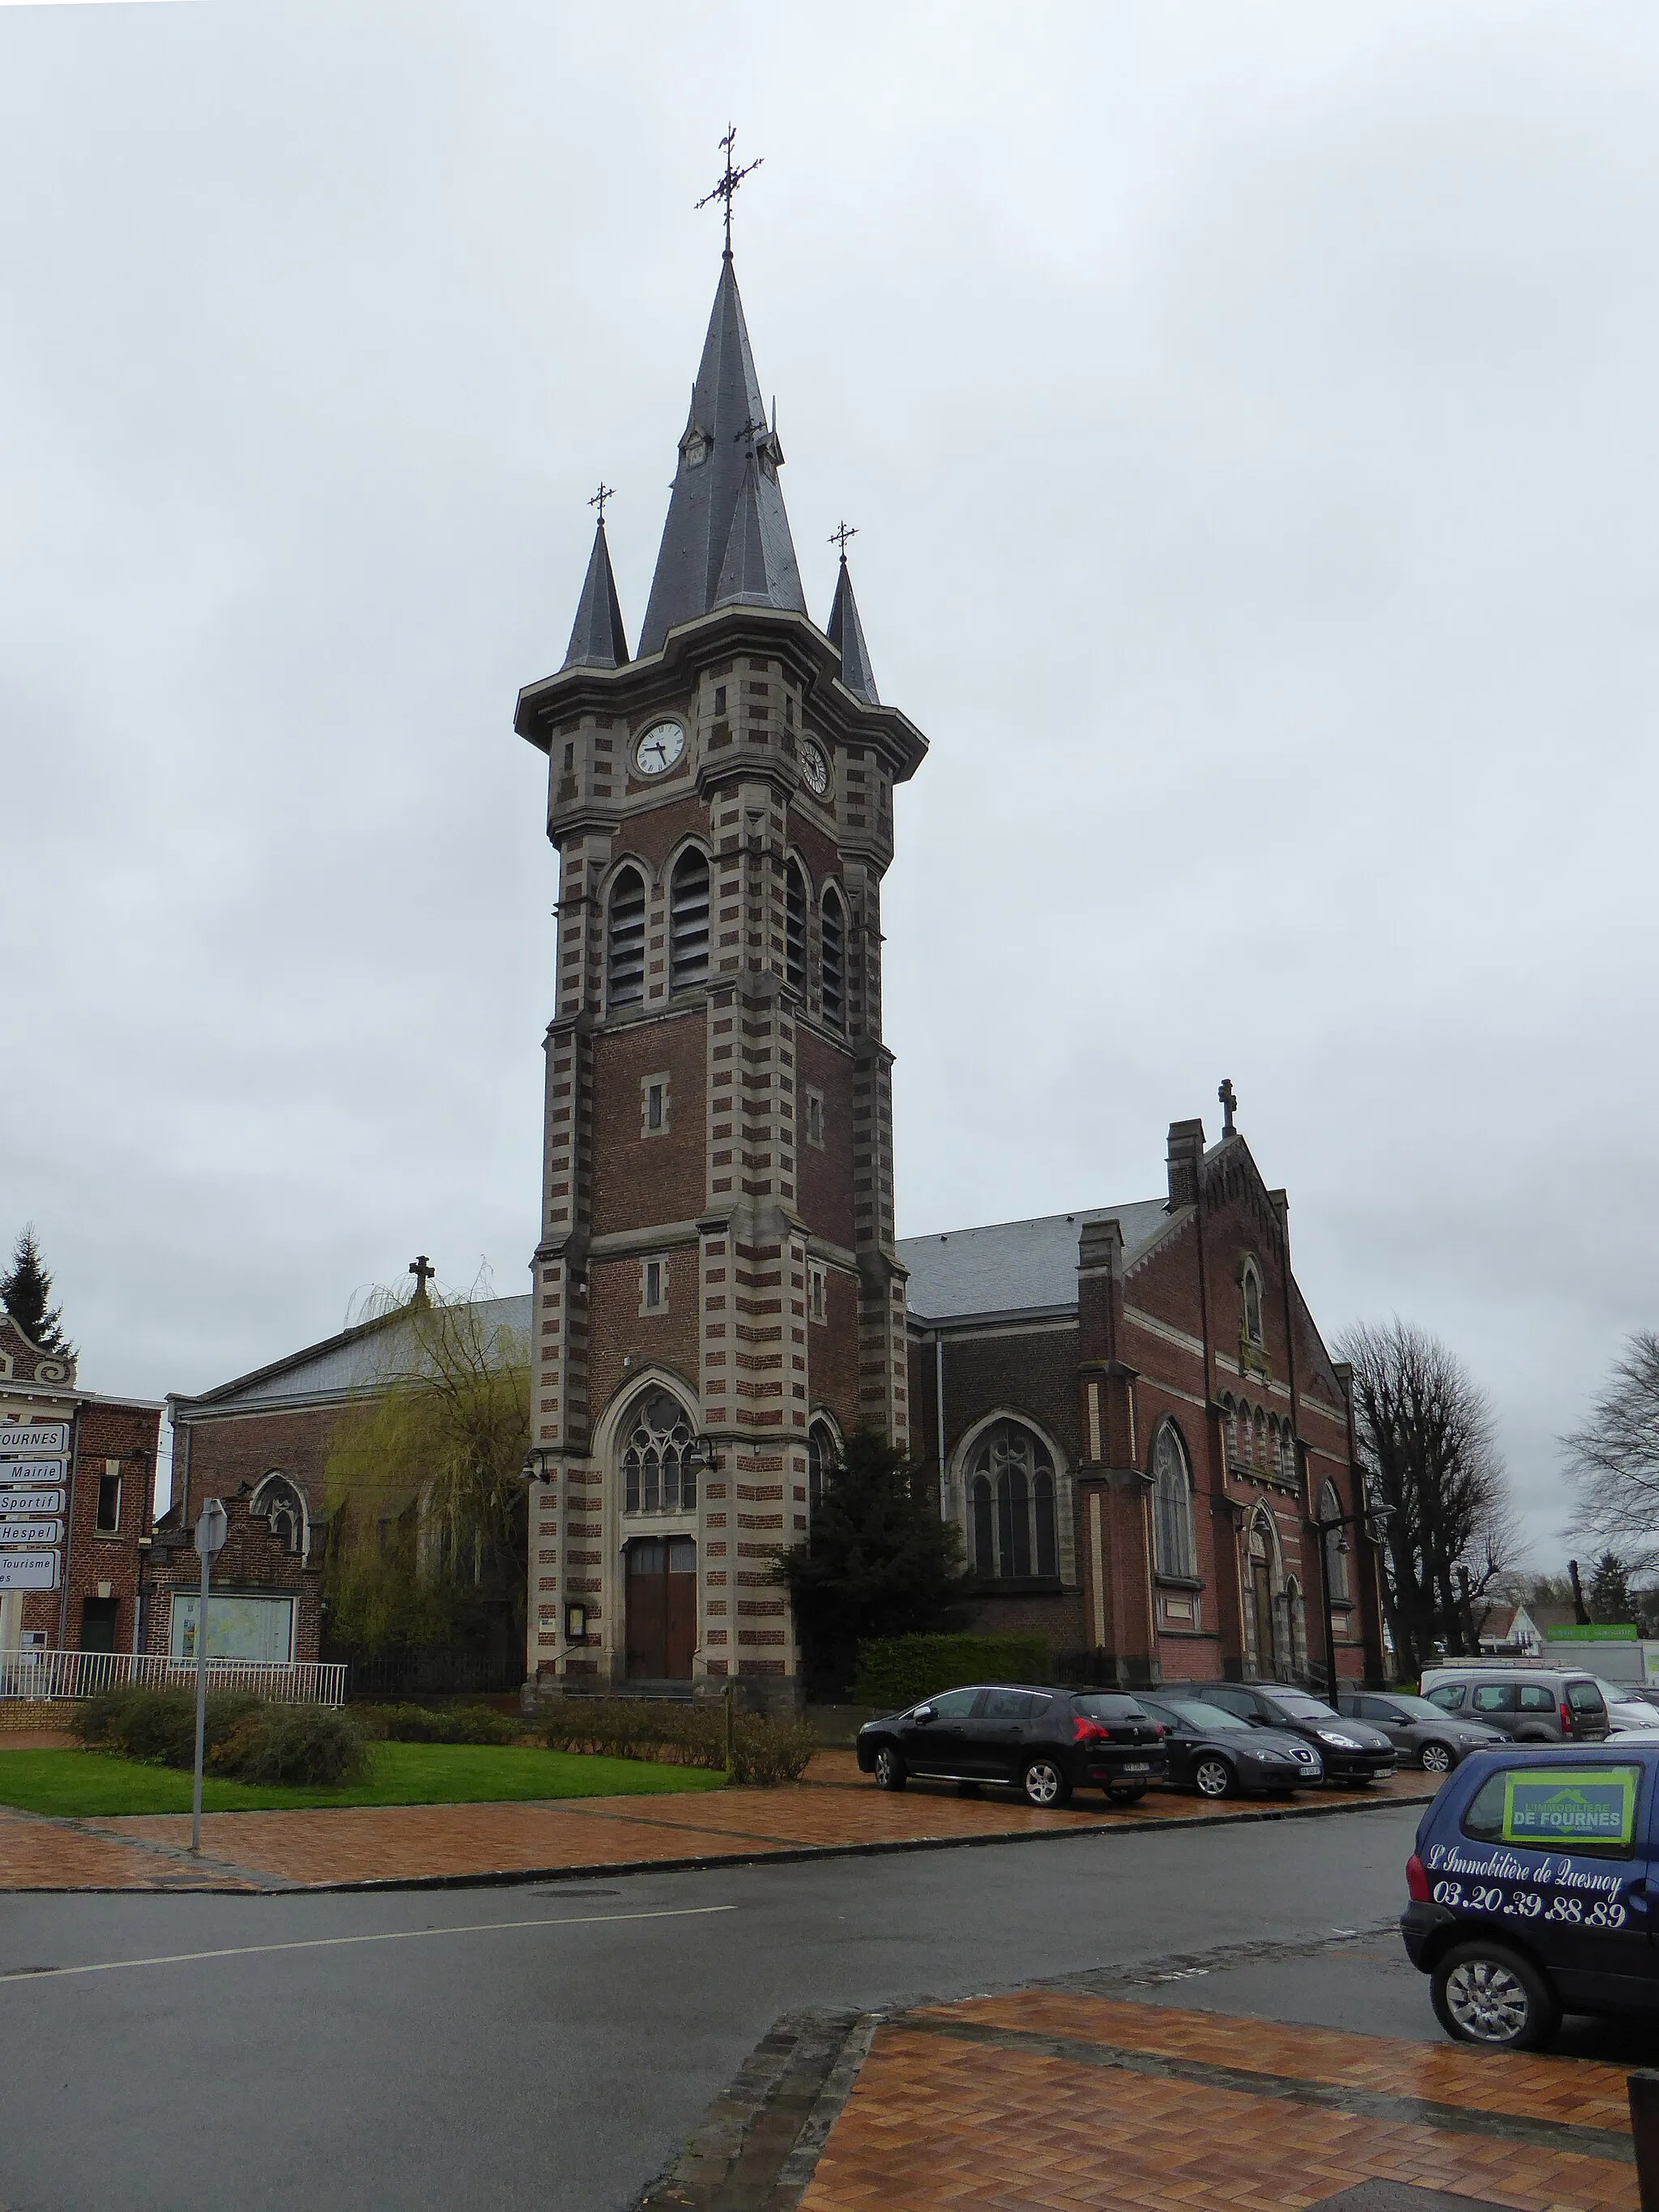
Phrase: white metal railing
(72, 1675)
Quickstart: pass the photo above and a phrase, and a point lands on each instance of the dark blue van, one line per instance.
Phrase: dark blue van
(1529, 1890)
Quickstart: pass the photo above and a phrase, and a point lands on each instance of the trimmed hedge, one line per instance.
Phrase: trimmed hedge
(764, 1749)
(896, 1670)
(246, 1739)
(437, 1723)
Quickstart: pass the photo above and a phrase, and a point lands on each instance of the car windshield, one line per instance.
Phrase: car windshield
(1193, 1714)
(1301, 1707)
(1417, 1709)
(1623, 1694)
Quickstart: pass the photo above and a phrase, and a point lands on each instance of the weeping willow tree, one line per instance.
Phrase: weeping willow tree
(427, 1534)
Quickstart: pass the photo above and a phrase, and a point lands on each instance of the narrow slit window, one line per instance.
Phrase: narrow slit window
(688, 921)
(833, 962)
(625, 942)
(653, 1114)
(109, 1505)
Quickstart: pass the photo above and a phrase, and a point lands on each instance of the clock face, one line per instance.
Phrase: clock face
(659, 749)
(814, 767)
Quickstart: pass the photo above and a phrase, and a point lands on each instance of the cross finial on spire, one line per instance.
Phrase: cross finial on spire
(604, 492)
(1228, 1099)
(840, 535)
(422, 1270)
(729, 182)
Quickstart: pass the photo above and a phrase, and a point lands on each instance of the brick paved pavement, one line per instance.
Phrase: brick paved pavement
(835, 1810)
(1051, 2100)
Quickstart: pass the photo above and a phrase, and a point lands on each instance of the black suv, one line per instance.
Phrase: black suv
(1351, 1750)
(1046, 1742)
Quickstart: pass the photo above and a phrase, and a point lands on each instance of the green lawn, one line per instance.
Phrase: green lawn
(91, 1785)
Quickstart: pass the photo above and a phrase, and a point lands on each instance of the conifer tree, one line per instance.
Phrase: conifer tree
(25, 1293)
(1611, 1601)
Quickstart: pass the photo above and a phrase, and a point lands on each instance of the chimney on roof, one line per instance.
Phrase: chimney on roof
(1186, 1151)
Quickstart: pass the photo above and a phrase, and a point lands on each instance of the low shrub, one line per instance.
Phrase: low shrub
(307, 1746)
(896, 1670)
(765, 1748)
(436, 1723)
(158, 1726)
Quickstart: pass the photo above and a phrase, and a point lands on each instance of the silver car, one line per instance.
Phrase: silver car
(1420, 1731)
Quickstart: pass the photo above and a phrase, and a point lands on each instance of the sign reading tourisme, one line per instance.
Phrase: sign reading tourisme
(29, 1571)
(19, 1439)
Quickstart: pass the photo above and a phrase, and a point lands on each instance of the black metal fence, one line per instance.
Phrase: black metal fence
(435, 1673)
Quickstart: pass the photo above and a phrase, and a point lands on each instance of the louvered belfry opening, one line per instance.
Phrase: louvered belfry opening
(794, 927)
(624, 951)
(833, 962)
(688, 921)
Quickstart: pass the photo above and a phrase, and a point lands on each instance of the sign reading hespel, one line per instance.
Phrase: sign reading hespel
(1564, 1809)
(31, 1532)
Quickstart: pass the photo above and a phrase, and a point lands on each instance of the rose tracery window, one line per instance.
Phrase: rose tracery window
(659, 1472)
(1012, 1528)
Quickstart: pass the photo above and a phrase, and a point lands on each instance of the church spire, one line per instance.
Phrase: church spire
(597, 637)
(725, 512)
(846, 632)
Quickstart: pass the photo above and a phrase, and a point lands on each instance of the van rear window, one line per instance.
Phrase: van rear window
(1098, 1706)
(1588, 1811)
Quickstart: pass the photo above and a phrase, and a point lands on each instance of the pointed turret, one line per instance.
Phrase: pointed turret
(846, 633)
(597, 637)
(726, 514)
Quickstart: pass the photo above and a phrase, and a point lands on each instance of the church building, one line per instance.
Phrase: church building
(1147, 1449)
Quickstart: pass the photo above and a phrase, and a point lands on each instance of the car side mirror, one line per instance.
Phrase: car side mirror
(922, 1713)
(1256, 1720)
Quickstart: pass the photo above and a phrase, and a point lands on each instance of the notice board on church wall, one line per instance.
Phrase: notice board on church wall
(238, 1627)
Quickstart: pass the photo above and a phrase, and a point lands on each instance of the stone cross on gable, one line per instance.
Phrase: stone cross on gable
(1228, 1099)
(424, 1272)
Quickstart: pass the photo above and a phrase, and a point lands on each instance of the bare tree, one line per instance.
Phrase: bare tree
(1613, 1460)
(1426, 1438)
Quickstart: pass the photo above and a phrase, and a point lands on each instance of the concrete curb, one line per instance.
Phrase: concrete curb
(698, 1862)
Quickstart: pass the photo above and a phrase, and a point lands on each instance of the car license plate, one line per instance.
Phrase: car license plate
(1136, 1767)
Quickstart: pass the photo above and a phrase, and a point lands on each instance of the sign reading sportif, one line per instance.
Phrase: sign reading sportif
(16, 1439)
(26, 1571)
(16, 1503)
(31, 1532)
(14, 1471)
(1540, 1807)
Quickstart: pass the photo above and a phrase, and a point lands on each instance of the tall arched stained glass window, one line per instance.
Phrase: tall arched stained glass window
(1336, 1549)
(1174, 1543)
(1012, 1505)
(823, 1456)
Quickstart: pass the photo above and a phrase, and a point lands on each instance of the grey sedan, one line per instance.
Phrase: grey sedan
(1435, 1740)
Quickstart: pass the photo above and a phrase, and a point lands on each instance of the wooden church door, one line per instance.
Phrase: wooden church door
(662, 1609)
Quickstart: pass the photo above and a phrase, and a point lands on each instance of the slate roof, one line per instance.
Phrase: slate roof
(1015, 1267)
(726, 539)
(597, 637)
(846, 633)
(357, 1359)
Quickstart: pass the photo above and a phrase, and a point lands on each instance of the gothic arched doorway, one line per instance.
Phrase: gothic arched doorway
(662, 1607)
(1269, 1660)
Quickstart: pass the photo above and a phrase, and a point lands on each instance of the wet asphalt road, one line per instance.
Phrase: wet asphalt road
(551, 2047)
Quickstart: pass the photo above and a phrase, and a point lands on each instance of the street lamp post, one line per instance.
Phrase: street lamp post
(1374, 1519)
(210, 1530)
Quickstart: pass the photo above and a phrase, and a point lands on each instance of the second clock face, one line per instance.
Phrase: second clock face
(815, 768)
(659, 749)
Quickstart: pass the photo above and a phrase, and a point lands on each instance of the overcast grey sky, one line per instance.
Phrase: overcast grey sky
(1249, 419)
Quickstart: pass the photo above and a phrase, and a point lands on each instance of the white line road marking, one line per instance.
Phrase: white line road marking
(337, 1942)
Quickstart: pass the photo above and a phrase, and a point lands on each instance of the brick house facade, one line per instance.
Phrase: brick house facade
(81, 1470)
(1139, 1427)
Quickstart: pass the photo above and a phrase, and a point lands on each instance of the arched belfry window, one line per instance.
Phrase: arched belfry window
(823, 1457)
(658, 1475)
(1175, 1540)
(1336, 1549)
(832, 960)
(1012, 1520)
(794, 927)
(1252, 1302)
(624, 944)
(688, 920)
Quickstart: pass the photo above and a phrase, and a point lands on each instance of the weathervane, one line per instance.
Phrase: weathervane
(840, 536)
(729, 182)
(604, 492)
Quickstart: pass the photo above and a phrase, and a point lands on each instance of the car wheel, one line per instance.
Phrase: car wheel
(1214, 1777)
(1128, 1797)
(891, 1772)
(1436, 1759)
(1045, 1782)
(1488, 1993)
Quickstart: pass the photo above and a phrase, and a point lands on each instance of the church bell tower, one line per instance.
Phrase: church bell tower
(717, 1300)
